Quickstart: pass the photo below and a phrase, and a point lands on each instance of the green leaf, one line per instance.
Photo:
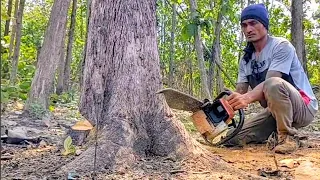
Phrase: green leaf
(25, 85)
(68, 147)
(189, 31)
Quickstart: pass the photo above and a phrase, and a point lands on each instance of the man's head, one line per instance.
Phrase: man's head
(255, 22)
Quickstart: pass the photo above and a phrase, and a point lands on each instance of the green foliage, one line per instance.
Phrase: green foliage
(69, 148)
(14, 92)
(36, 110)
(64, 98)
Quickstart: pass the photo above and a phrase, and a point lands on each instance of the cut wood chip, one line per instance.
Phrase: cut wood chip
(83, 125)
(290, 163)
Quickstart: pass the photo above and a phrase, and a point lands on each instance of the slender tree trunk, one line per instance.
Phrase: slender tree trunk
(14, 28)
(121, 78)
(61, 66)
(172, 51)
(211, 72)
(199, 50)
(297, 32)
(241, 38)
(6, 28)
(216, 51)
(190, 70)
(82, 62)
(64, 77)
(50, 52)
(16, 53)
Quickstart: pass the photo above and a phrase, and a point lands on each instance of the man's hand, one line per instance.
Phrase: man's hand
(238, 101)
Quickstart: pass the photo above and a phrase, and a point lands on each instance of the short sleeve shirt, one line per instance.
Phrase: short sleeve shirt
(278, 55)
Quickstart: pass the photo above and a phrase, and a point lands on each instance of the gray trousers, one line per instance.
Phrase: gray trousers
(285, 113)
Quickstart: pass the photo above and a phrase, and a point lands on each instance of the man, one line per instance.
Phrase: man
(270, 66)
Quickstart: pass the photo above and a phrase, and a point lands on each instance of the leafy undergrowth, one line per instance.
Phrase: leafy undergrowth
(43, 160)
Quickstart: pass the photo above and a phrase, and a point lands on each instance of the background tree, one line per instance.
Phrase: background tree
(51, 49)
(16, 51)
(64, 73)
(297, 33)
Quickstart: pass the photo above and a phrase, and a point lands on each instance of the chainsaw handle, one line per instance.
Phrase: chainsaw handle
(228, 93)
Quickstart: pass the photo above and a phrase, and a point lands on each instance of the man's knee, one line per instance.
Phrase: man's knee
(273, 86)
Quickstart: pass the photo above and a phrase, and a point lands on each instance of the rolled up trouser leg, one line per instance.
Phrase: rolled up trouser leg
(286, 106)
(255, 130)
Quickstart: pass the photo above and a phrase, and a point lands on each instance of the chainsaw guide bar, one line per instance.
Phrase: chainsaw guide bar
(213, 119)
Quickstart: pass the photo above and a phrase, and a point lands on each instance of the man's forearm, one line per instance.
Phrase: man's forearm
(242, 88)
(256, 94)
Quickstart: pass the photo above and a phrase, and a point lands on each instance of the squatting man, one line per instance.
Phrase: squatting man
(270, 66)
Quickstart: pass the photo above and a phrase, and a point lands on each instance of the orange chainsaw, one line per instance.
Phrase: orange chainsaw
(213, 119)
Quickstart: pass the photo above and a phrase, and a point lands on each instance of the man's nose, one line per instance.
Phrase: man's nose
(248, 29)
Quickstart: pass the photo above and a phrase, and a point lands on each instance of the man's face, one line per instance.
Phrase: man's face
(253, 30)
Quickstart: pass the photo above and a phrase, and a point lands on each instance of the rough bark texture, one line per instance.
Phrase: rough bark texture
(173, 28)
(14, 27)
(199, 50)
(121, 78)
(64, 77)
(6, 28)
(297, 33)
(49, 54)
(61, 66)
(16, 52)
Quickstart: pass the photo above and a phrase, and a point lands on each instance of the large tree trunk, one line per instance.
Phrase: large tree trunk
(64, 76)
(16, 52)
(6, 28)
(199, 50)
(297, 34)
(49, 55)
(172, 51)
(14, 27)
(121, 78)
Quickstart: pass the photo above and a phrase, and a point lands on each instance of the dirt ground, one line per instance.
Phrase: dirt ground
(43, 160)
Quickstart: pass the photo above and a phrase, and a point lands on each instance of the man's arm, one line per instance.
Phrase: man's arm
(242, 88)
(238, 101)
(257, 93)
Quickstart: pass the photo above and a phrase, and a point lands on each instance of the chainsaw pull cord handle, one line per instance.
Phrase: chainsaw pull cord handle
(240, 124)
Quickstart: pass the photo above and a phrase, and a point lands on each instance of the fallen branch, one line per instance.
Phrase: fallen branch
(6, 157)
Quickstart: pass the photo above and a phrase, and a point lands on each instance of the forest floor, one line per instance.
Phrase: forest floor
(43, 159)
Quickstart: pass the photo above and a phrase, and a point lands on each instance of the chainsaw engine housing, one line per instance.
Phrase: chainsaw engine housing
(213, 118)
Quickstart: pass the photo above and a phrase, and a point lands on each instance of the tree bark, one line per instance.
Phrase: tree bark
(61, 66)
(297, 33)
(216, 51)
(82, 62)
(199, 50)
(16, 53)
(121, 78)
(14, 27)
(6, 28)
(64, 77)
(172, 51)
(50, 52)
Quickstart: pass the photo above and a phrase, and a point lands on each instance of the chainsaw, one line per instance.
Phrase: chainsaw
(214, 119)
